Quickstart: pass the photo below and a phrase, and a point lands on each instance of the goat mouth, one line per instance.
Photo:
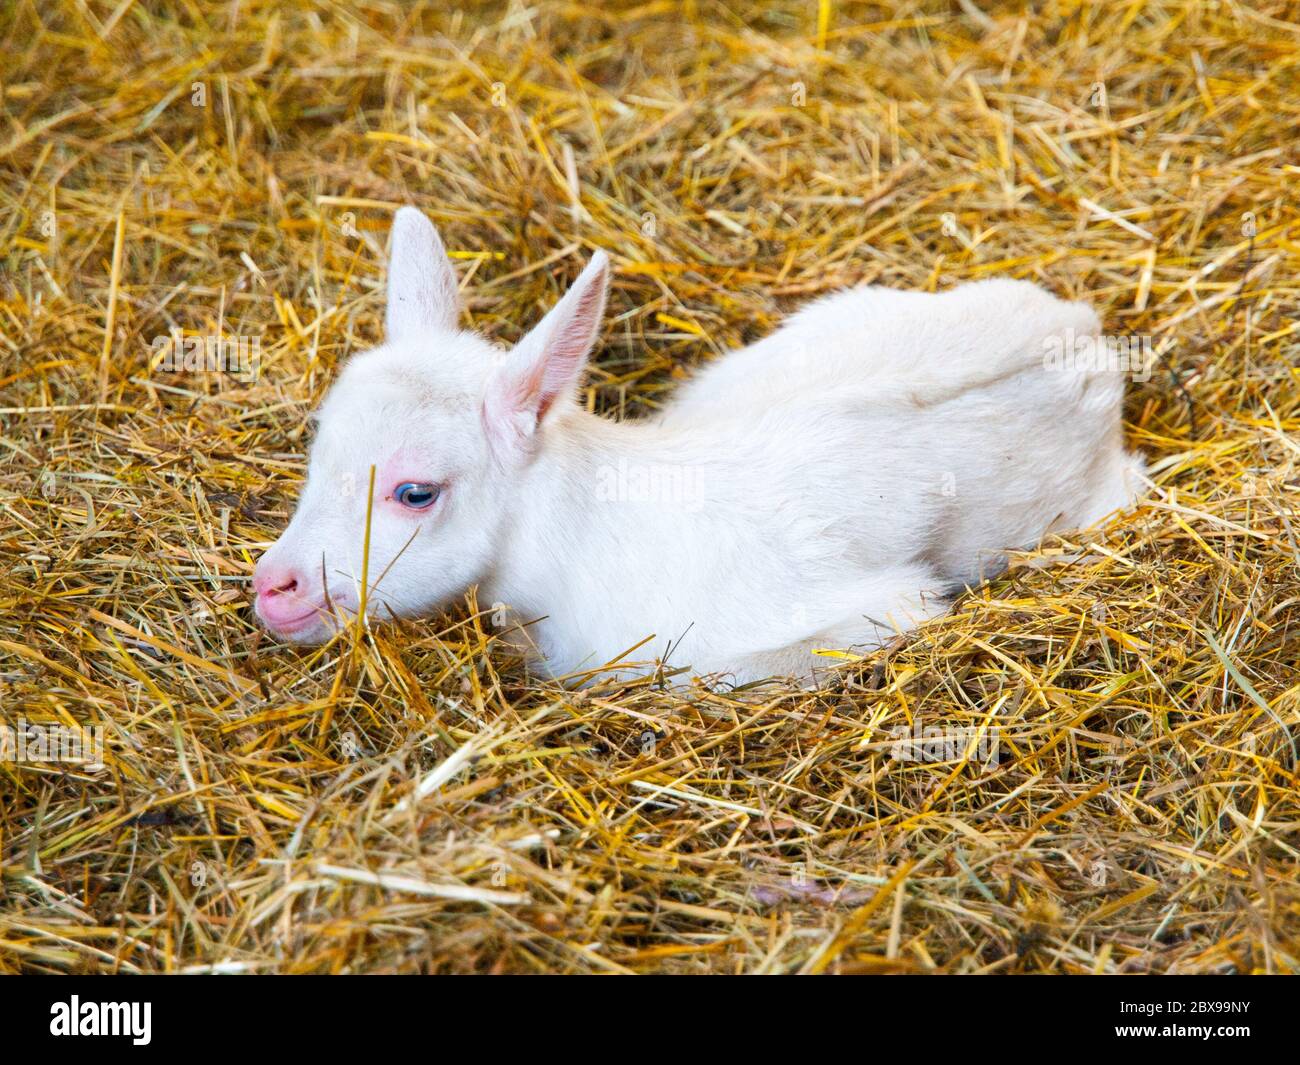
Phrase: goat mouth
(294, 622)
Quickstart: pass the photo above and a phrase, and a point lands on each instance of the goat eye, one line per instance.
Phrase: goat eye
(416, 496)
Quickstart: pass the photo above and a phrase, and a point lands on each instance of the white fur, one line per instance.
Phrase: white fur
(826, 487)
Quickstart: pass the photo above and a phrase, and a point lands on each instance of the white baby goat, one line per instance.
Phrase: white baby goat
(826, 487)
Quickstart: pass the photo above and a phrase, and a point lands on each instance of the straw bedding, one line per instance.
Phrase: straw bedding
(410, 798)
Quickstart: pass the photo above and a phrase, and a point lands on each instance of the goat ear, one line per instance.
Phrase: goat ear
(546, 365)
(422, 292)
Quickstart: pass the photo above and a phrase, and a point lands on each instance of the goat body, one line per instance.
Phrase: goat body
(826, 487)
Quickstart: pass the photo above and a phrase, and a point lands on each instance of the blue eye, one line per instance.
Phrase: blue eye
(416, 496)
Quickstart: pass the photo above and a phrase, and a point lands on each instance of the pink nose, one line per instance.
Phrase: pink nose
(270, 582)
(282, 599)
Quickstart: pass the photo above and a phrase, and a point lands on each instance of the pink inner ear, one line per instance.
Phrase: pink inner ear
(565, 346)
(557, 372)
(516, 402)
(547, 362)
(566, 349)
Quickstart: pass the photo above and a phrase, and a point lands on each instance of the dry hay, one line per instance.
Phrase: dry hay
(410, 799)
